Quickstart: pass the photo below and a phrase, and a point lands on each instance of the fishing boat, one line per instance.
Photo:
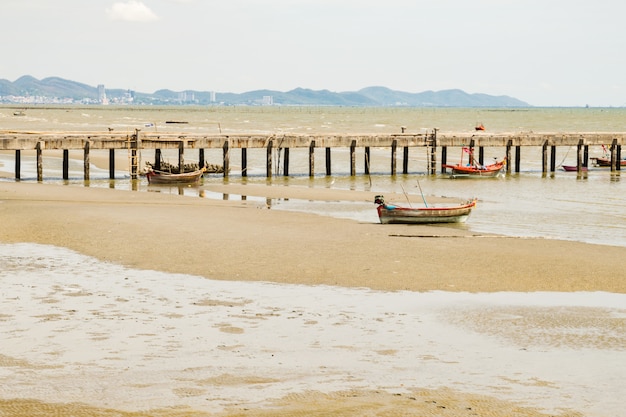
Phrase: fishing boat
(606, 162)
(474, 168)
(477, 170)
(571, 168)
(164, 177)
(392, 214)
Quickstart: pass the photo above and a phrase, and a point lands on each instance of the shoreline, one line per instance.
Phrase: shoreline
(241, 241)
(125, 227)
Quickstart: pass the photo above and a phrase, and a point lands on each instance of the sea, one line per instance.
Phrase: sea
(117, 337)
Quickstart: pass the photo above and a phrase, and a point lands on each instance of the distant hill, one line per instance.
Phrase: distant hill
(57, 90)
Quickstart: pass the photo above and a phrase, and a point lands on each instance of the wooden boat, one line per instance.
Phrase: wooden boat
(175, 169)
(480, 127)
(473, 168)
(392, 214)
(571, 168)
(164, 177)
(477, 170)
(606, 162)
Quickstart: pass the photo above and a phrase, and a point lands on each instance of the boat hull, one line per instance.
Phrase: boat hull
(606, 162)
(165, 178)
(573, 168)
(488, 171)
(426, 215)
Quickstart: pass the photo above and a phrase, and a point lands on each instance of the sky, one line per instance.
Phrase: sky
(543, 52)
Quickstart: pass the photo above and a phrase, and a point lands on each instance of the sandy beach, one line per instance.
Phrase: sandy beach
(247, 241)
(243, 240)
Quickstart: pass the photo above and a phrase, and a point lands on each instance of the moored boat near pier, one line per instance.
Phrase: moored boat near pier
(164, 178)
(606, 162)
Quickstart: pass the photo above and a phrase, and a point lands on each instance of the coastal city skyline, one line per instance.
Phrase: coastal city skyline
(55, 90)
(546, 54)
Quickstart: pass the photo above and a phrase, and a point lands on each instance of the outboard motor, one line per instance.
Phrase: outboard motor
(379, 199)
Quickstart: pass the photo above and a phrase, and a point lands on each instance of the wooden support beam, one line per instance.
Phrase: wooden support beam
(244, 162)
(394, 146)
(225, 158)
(286, 163)
(181, 156)
(135, 145)
(367, 160)
(552, 158)
(201, 157)
(66, 164)
(39, 149)
(518, 156)
(509, 144)
(444, 158)
(614, 161)
(328, 162)
(405, 160)
(544, 157)
(579, 156)
(86, 161)
(353, 158)
(111, 164)
(157, 159)
(433, 157)
(18, 164)
(312, 159)
(268, 166)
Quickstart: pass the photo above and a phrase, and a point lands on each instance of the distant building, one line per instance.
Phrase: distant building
(212, 97)
(102, 95)
(267, 101)
(186, 97)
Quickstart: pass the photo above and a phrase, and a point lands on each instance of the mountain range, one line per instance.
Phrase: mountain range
(28, 89)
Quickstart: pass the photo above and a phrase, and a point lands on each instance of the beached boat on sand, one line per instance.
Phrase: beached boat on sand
(392, 214)
(163, 177)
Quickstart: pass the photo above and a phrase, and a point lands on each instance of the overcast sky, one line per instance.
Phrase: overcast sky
(544, 52)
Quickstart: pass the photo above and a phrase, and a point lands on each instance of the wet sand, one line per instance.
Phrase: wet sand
(246, 241)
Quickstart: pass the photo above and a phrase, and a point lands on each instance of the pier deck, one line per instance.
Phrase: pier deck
(434, 141)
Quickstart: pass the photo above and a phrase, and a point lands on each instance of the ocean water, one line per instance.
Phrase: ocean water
(562, 205)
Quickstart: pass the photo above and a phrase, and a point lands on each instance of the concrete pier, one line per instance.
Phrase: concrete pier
(435, 141)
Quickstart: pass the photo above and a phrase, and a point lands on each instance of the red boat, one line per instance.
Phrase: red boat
(571, 168)
(474, 169)
(606, 162)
